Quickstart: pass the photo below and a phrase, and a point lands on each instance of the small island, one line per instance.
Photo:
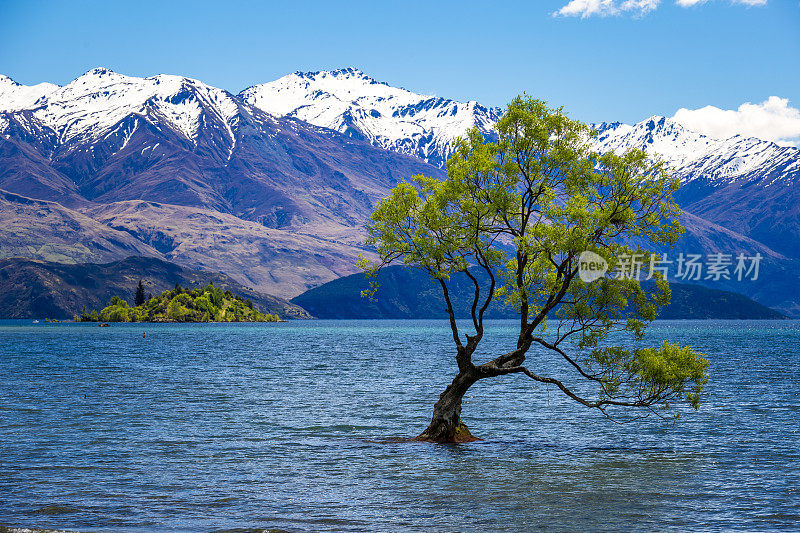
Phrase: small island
(201, 304)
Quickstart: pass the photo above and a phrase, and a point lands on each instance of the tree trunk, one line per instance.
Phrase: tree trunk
(446, 424)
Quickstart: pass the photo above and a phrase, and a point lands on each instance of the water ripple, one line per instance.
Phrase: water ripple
(304, 427)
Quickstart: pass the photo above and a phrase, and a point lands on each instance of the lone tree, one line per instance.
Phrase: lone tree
(138, 298)
(514, 216)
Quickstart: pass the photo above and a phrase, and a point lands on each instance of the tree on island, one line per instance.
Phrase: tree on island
(514, 216)
(139, 297)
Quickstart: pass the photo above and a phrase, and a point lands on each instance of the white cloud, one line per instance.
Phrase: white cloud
(637, 8)
(772, 120)
(690, 3)
(604, 8)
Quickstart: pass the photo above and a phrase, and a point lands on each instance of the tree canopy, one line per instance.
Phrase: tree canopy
(521, 210)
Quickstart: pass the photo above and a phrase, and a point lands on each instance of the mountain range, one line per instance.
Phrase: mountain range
(273, 186)
(194, 173)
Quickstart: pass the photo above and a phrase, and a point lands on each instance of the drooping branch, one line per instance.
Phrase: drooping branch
(645, 401)
(567, 358)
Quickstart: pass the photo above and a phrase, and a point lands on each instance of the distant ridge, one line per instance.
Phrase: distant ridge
(410, 293)
(39, 289)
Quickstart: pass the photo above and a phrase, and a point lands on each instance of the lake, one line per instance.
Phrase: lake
(292, 427)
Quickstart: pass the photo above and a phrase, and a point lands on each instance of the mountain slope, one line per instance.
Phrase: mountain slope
(15, 96)
(276, 261)
(350, 101)
(25, 171)
(48, 231)
(745, 184)
(279, 261)
(691, 155)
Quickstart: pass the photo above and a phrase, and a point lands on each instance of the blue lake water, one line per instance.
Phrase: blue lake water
(289, 426)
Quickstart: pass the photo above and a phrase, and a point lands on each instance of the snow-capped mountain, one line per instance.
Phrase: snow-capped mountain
(349, 101)
(742, 183)
(353, 103)
(93, 105)
(691, 155)
(122, 137)
(720, 177)
(201, 175)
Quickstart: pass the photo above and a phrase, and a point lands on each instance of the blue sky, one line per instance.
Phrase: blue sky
(624, 66)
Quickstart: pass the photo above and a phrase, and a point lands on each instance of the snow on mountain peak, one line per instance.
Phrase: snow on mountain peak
(690, 155)
(100, 98)
(99, 72)
(346, 72)
(15, 96)
(353, 103)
